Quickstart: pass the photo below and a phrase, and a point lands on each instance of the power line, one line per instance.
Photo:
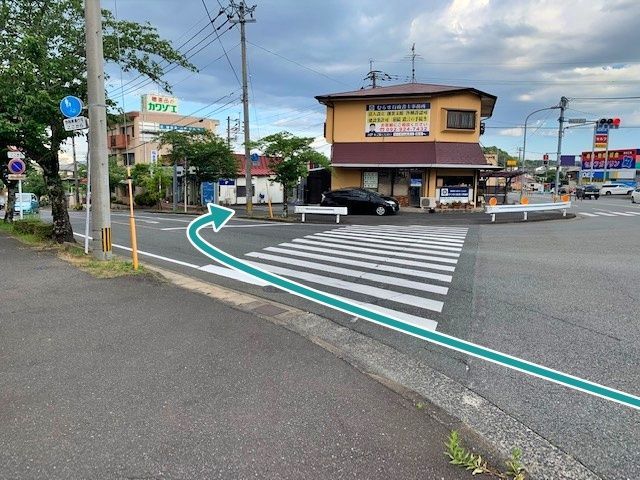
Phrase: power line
(603, 98)
(298, 64)
(235, 74)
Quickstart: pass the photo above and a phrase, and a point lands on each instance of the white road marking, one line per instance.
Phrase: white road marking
(398, 243)
(377, 258)
(173, 228)
(587, 214)
(374, 277)
(413, 236)
(391, 253)
(383, 248)
(399, 237)
(622, 214)
(605, 214)
(376, 292)
(436, 233)
(233, 274)
(633, 213)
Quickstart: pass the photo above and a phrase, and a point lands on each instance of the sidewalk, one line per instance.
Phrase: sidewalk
(135, 378)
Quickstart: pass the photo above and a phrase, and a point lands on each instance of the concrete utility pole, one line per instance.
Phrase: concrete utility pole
(228, 131)
(100, 195)
(563, 105)
(239, 14)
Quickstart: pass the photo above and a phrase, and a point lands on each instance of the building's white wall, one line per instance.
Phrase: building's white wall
(261, 185)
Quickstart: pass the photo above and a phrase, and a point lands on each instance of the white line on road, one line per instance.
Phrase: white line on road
(397, 243)
(233, 274)
(402, 234)
(377, 258)
(382, 248)
(408, 231)
(377, 251)
(401, 282)
(605, 214)
(398, 238)
(389, 295)
(633, 213)
(587, 214)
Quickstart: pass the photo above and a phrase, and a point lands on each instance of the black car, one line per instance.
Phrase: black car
(360, 201)
(587, 191)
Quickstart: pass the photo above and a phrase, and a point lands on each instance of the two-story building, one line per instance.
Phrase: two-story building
(409, 141)
(135, 140)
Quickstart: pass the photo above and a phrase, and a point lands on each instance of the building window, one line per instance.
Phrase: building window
(130, 160)
(461, 120)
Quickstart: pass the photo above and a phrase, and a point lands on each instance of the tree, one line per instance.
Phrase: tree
(35, 183)
(153, 178)
(117, 174)
(291, 157)
(43, 59)
(205, 152)
(502, 155)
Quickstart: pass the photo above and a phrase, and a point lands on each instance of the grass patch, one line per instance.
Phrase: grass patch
(37, 234)
(460, 456)
(114, 268)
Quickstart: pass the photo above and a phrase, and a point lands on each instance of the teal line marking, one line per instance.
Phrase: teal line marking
(218, 216)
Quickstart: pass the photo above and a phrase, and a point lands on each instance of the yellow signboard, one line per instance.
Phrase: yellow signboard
(512, 163)
(397, 120)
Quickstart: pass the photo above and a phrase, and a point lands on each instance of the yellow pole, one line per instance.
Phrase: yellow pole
(132, 223)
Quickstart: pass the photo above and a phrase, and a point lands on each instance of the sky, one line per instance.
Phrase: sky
(528, 53)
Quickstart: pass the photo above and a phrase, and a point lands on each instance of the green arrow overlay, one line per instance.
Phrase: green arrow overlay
(218, 216)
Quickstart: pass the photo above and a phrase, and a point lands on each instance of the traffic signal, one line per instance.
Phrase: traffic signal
(482, 127)
(609, 123)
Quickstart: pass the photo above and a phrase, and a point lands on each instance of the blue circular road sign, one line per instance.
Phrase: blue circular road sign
(71, 106)
(17, 166)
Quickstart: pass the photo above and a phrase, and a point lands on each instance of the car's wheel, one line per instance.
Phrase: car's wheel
(380, 210)
(597, 197)
(629, 192)
(607, 193)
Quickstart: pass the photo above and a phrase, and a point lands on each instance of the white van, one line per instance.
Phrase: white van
(615, 189)
(28, 202)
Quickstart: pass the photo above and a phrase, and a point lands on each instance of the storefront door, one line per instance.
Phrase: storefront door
(415, 188)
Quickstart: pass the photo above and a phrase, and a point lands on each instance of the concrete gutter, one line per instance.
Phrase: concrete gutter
(498, 429)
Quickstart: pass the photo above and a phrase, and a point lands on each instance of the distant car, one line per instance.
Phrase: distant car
(360, 201)
(615, 189)
(566, 190)
(28, 202)
(587, 191)
(635, 196)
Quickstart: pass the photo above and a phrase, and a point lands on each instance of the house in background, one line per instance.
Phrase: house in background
(233, 191)
(410, 141)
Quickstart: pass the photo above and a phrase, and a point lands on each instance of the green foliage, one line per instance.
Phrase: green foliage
(460, 456)
(117, 174)
(42, 46)
(291, 157)
(35, 183)
(146, 199)
(208, 154)
(502, 155)
(34, 227)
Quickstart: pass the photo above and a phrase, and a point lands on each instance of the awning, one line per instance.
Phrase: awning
(409, 154)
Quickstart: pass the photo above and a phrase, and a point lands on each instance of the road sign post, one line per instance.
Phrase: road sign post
(71, 106)
(17, 167)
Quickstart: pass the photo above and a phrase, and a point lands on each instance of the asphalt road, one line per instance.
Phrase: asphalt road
(561, 293)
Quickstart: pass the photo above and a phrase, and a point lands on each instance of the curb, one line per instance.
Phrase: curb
(501, 431)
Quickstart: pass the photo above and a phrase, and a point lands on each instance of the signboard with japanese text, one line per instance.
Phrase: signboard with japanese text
(152, 102)
(618, 159)
(454, 194)
(397, 120)
(163, 127)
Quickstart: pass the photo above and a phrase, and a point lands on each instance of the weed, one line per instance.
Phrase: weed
(420, 405)
(459, 455)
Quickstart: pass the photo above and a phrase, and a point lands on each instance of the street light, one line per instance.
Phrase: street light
(524, 142)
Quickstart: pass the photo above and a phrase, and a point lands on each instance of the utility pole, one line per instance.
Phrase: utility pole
(563, 105)
(240, 10)
(75, 169)
(228, 131)
(374, 75)
(413, 56)
(100, 195)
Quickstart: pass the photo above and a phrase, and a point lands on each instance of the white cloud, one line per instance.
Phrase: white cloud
(511, 132)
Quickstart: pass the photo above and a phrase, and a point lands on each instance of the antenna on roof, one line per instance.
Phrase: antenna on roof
(376, 75)
(413, 56)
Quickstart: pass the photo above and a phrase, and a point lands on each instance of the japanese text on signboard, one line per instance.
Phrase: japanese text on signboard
(397, 120)
(618, 159)
(159, 103)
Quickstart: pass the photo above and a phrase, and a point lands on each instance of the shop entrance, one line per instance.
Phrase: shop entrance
(415, 188)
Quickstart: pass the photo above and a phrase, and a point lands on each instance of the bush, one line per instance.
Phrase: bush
(146, 199)
(34, 227)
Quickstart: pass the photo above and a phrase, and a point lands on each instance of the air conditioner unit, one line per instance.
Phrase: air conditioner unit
(428, 203)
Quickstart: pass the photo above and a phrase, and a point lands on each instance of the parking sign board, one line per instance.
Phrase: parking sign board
(16, 166)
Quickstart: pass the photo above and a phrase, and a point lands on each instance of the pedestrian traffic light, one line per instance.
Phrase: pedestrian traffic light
(609, 123)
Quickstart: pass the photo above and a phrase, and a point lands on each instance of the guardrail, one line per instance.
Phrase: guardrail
(525, 209)
(315, 209)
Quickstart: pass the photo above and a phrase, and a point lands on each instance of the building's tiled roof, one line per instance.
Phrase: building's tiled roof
(420, 154)
(261, 169)
(411, 90)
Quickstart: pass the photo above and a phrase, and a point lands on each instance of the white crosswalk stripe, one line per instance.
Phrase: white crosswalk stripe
(609, 213)
(404, 272)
